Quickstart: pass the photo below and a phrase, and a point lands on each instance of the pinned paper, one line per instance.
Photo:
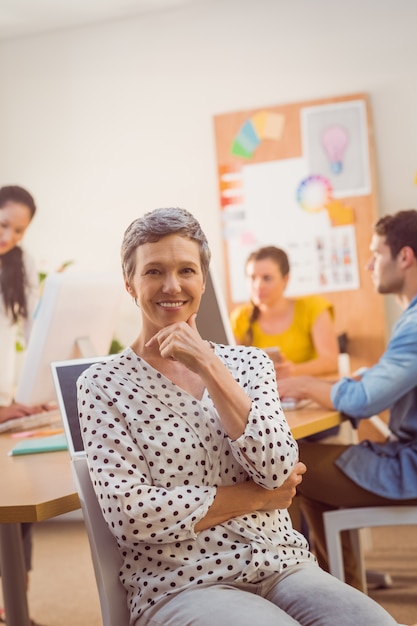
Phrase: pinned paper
(339, 214)
(261, 126)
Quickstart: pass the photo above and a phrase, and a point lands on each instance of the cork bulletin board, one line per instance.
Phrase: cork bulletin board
(302, 177)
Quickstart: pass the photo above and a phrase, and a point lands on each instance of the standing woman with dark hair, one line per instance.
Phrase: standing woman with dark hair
(19, 292)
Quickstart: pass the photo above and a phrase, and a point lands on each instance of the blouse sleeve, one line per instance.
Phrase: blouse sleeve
(266, 449)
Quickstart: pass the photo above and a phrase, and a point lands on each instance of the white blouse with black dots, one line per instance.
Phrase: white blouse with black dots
(156, 455)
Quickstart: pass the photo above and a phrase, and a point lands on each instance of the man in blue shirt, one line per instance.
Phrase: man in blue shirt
(368, 473)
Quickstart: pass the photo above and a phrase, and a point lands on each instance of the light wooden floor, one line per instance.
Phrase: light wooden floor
(63, 593)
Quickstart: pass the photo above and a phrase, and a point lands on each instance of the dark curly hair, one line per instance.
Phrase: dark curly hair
(12, 275)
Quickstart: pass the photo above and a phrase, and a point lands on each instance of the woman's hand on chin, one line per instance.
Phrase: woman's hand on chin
(182, 342)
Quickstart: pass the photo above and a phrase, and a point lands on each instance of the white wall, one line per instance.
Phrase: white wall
(106, 122)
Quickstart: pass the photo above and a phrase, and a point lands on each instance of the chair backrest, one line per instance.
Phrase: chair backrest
(104, 552)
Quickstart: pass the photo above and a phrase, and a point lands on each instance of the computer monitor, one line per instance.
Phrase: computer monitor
(76, 317)
(212, 318)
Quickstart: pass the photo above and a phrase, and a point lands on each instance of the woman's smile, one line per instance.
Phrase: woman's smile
(172, 305)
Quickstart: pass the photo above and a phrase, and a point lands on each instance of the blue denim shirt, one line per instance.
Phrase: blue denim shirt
(388, 469)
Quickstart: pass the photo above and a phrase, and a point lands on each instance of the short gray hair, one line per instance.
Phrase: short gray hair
(157, 224)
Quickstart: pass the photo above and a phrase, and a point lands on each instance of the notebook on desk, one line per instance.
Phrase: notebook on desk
(36, 445)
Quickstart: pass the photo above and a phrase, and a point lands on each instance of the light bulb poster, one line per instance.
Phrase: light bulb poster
(335, 145)
(303, 203)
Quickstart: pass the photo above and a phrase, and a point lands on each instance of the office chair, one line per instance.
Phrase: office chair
(355, 519)
(358, 519)
(104, 552)
(105, 555)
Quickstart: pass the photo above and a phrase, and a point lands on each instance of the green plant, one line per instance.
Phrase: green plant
(115, 346)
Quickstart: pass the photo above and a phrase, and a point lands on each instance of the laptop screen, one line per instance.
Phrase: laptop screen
(65, 375)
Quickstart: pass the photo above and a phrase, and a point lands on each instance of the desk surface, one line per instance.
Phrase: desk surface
(34, 487)
(312, 419)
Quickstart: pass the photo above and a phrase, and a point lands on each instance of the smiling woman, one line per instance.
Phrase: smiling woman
(193, 461)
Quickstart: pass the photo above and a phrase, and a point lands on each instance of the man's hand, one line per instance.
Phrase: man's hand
(307, 388)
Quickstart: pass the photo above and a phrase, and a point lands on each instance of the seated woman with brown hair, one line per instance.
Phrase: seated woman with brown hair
(299, 331)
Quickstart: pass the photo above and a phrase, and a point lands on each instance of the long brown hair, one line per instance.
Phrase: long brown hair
(13, 278)
(280, 258)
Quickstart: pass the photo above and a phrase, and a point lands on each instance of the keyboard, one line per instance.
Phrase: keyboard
(29, 422)
(291, 404)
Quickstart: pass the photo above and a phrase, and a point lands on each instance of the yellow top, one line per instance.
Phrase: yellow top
(295, 343)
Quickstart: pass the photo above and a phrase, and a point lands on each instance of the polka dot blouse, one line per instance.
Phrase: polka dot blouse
(156, 455)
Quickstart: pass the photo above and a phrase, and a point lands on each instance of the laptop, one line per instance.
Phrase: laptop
(65, 375)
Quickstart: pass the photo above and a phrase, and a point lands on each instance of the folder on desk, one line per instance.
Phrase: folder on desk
(34, 445)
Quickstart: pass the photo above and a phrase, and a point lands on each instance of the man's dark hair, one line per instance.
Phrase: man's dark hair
(399, 230)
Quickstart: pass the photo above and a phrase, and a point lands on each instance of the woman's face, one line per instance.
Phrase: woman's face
(14, 220)
(168, 281)
(267, 284)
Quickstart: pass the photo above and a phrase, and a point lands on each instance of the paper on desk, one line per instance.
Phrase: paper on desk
(34, 445)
